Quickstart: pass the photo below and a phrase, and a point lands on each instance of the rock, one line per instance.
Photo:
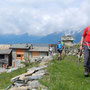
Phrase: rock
(15, 79)
(12, 69)
(22, 76)
(43, 63)
(41, 72)
(39, 59)
(34, 89)
(18, 63)
(37, 68)
(34, 84)
(54, 54)
(25, 76)
(3, 70)
(74, 54)
(20, 88)
(29, 73)
(42, 67)
(69, 53)
(19, 83)
(34, 77)
(32, 69)
(43, 89)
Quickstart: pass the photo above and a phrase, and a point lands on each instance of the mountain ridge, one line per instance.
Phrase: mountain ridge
(25, 38)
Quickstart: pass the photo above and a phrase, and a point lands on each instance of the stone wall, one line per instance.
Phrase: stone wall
(13, 54)
(26, 55)
(68, 43)
(42, 54)
(72, 51)
(68, 40)
(7, 59)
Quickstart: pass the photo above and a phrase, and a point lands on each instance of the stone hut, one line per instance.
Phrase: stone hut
(28, 51)
(5, 56)
(68, 40)
(38, 51)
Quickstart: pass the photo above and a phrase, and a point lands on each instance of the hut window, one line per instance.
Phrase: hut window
(1, 56)
(18, 55)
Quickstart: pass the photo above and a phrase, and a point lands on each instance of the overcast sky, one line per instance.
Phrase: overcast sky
(42, 17)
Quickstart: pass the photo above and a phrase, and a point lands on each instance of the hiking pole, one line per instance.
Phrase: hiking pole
(79, 58)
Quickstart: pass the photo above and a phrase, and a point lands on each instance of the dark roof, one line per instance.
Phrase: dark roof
(40, 45)
(20, 46)
(6, 51)
(40, 49)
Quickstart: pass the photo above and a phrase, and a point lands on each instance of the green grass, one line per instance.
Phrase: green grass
(5, 77)
(66, 75)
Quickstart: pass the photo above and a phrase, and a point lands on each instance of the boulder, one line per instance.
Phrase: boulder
(34, 77)
(19, 83)
(20, 88)
(22, 76)
(37, 68)
(34, 84)
(41, 72)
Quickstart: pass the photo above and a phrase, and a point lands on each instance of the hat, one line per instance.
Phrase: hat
(59, 41)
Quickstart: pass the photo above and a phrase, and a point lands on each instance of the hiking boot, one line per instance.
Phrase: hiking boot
(86, 73)
(59, 58)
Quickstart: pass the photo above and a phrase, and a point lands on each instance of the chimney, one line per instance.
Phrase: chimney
(26, 44)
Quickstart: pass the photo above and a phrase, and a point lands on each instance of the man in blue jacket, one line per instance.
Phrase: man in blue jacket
(60, 46)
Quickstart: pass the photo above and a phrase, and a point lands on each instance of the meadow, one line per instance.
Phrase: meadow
(67, 74)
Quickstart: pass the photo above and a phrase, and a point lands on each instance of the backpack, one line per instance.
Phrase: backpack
(84, 39)
(88, 30)
(62, 43)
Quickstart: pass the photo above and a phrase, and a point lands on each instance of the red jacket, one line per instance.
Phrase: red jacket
(86, 35)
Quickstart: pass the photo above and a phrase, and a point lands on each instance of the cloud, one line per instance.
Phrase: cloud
(42, 17)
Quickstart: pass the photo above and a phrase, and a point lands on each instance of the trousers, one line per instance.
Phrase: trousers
(86, 57)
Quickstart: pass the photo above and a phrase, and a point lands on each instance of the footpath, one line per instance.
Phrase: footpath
(30, 79)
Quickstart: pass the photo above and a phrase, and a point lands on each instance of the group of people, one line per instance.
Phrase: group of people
(85, 45)
(60, 47)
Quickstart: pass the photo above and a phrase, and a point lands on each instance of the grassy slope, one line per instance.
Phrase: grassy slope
(5, 77)
(64, 75)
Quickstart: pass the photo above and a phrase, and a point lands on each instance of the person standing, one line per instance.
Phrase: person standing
(50, 50)
(85, 44)
(60, 46)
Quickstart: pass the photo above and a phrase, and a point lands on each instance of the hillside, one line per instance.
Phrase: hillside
(66, 75)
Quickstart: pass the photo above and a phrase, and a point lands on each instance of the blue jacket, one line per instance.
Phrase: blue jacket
(60, 45)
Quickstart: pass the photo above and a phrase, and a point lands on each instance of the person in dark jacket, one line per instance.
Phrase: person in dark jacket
(85, 44)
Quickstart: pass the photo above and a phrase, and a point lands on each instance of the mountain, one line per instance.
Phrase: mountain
(54, 37)
(11, 39)
(25, 38)
(77, 37)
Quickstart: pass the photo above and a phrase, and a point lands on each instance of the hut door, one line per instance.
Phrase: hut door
(22, 56)
(35, 54)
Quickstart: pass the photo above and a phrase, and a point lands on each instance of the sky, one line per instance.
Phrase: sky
(43, 17)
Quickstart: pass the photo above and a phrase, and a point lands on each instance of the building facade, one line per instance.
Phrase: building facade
(6, 57)
(28, 51)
